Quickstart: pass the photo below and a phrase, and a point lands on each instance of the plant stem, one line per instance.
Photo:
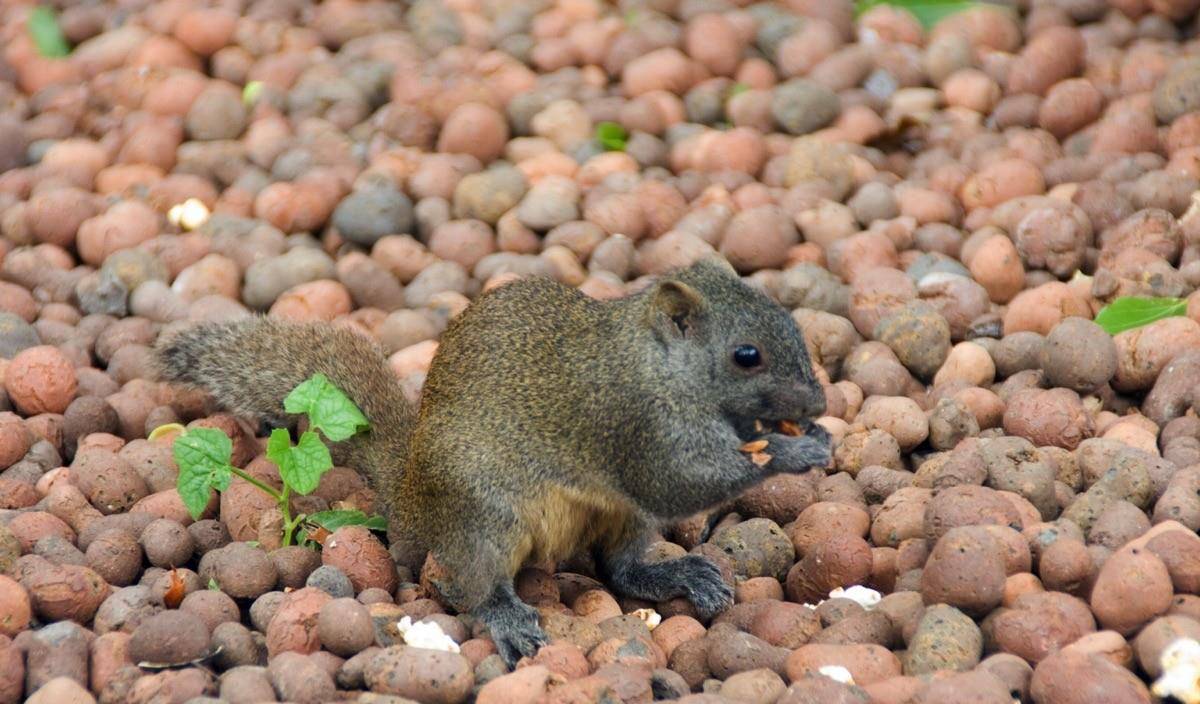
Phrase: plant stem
(286, 509)
(283, 499)
(289, 528)
(269, 491)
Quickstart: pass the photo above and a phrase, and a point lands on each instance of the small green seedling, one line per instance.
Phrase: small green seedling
(611, 136)
(927, 12)
(1129, 312)
(46, 34)
(203, 456)
(250, 93)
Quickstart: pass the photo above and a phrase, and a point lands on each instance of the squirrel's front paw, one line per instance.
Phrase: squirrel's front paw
(796, 454)
(706, 589)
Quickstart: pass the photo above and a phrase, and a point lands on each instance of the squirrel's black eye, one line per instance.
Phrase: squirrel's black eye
(747, 356)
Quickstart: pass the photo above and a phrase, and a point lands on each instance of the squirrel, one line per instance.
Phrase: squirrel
(550, 423)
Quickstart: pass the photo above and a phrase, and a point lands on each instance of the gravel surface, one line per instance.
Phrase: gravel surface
(1014, 503)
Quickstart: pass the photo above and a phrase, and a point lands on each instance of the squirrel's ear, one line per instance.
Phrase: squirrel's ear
(677, 303)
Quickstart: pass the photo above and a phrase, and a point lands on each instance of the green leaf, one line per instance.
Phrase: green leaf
(279, 446)
(203, 457)
(327, 407)
(1129, 312)
(46, 34)
(927, 12)
(212, 584)
(302, 465)
(738, 89)
(334, 519)
(611, 136)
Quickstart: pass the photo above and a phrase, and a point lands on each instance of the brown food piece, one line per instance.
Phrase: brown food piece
(175, 592)
(159, 581)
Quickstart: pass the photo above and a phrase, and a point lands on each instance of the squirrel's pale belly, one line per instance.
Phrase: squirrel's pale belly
(560, 521)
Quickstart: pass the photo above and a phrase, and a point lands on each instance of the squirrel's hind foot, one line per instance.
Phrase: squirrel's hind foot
(707, 589)
(513, 624)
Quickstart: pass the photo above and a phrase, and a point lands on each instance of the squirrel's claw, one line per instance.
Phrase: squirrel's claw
(513, 625)
(518, 640)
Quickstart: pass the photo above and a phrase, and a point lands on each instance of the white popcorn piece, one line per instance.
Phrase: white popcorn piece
(837, 673)
(650, 616)
(864, 597)
(425, 634)
(1181, 672)
(938, 277)
(189, 215)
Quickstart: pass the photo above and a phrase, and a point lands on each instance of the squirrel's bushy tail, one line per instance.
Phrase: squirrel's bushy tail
(250, 365)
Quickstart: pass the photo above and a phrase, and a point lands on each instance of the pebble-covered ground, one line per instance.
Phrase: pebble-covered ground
(944, 210)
